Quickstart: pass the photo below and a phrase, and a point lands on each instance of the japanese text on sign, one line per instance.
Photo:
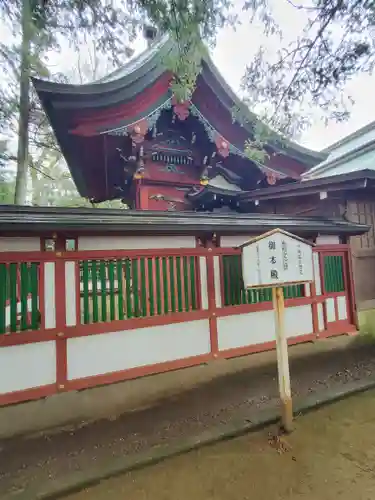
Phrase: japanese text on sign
(272, 247)
(277, 258)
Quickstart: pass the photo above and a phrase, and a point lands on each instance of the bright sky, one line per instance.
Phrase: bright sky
(235, 49)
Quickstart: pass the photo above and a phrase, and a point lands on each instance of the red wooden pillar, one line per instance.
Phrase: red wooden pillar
(211, 299)
(60, 297)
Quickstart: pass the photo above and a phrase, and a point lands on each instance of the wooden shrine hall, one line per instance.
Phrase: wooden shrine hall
(90, 296)
(125, 137)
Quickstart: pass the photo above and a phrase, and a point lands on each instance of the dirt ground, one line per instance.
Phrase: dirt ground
(330, 455)
(29, 462)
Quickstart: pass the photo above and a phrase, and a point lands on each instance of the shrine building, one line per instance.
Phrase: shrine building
(91, 297)
(125, 137)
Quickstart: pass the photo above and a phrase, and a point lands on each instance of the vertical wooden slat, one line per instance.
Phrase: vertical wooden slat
(178, 282)
(86, 294)
(103, 289)
(112, 297)
(194, 298)
(166, 284)
(159, 285)
(341, 273)
(338, 273)
(94, 286)
(240, 289)
(34, 295)
(225, 279)
(230, 281)
(335, 277)
(333, 270)
(3, 296)
(328, 270)
(236, 282)
(24, 294)
(120, 289)
(144, 305)
(152, 284)
(129, 285)
(135, 286)
(13, 270)
(172, 283)
(185, 272)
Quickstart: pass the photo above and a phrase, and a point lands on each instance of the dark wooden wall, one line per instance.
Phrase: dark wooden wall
(356, 207)
(362, 210)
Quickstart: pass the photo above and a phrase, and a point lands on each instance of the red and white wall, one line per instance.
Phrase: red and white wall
(65, 354)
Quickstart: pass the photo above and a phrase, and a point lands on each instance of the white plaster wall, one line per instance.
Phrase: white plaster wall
(320, 317)
(298, 321)
(234, 241)
(27, 366)
(242, 330)
(258, 327)
(115, 351)
(342, 308)
(70, 294)
(203, 279)
(330, 308)
(317, 278)
(217, 279)
(19, 244)
(49, 295)
(134, 242)
(327, 239)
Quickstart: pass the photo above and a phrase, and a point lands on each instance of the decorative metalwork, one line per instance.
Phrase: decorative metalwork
(171, 168)
(172, 202)
(151, 119)
(172, 159)
(181, 109)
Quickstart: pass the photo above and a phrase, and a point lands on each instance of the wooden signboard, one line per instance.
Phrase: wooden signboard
(277, 259)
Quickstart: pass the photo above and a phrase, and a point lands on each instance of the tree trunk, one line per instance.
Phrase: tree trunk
(23, 122)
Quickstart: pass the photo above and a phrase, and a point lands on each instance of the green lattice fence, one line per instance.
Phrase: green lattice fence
(235, 293)
(19, 286)
(333, 266)
(119, 289)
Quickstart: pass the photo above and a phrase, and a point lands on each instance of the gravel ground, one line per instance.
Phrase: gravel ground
(329, 456)
(30, 461)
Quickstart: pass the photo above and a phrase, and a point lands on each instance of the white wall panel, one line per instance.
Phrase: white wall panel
(49, 295)
(234, 241)
(217, 278)
(19, 244)
(203, 275)
(135, 242)
(298, 321)
(115, 351)
(70, 294)
(27, 366)
(241, 330)
(330, 308)
(342, 308)
(320, 317)
(327, 239)
(318, 282)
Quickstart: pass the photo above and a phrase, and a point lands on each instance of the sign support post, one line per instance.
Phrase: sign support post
(274, 260)
(282, 360)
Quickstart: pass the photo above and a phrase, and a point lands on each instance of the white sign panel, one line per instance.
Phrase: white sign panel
(276, 258)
